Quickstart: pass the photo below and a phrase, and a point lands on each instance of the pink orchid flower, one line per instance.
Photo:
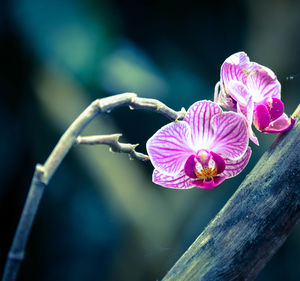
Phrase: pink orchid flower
(203, 150)
(254, 91)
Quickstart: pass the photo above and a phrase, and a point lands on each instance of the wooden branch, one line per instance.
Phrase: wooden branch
(131, 100)
(44, 173)
(254, 223)
(115, 146)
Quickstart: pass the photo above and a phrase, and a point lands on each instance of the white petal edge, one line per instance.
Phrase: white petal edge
(180, 181)
(234, 167)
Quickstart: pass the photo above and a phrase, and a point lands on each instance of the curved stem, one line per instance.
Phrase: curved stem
(44, 173)
(17, 251)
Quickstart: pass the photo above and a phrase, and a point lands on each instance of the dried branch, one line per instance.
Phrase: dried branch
(254, 223)
(115, 145)
(44, 173)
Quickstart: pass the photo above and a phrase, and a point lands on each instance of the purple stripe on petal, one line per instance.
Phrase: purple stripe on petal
(180, 181)
(233, 69)
(199, 118)
(170, 147)
(261, 85)
(255, 67)
(239, 58)
(281, 124)
(231, 137)
(230, 72)
(249, 117)
(239, 92)
(234, 167)
(247, 111)
(261, 117)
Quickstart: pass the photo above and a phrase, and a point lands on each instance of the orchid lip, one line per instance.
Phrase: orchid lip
(288, 126)
(261, 117)
(275, 107)
(205, 166)
(209, 184)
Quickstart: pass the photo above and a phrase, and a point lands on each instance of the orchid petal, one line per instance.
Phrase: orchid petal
(239, 58)
(281, 124)
(231, 138)
(189, 166)
(199, 117)
(209, 184)
(231, 72)
(180, 181)
(261, 85)
(252, 136)
(247, 111)
(258, 67)
(226, 100)
(234, 167)
(239, 92)
(233, 69)
(261, 117)
(275, 107)
(170, 147)
(219, 162)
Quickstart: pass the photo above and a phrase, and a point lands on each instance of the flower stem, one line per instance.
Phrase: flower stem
(44, 173)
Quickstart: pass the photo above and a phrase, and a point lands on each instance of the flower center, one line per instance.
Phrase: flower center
(206, 173)
(204, 166)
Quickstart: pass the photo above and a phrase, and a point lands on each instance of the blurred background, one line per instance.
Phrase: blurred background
(101, 217)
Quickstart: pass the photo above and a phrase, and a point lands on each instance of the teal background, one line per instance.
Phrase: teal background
(101, 217)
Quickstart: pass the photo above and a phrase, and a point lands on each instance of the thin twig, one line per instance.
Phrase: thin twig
(115, 146)
(44, 173)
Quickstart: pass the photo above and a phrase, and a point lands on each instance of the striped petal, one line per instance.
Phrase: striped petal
(180, 181)
(231, 72)
(233, 69)
(247, 111)
(231, 137)
(170, 147)
(199, 117)
(239, 58)
(239, 92)
(234, 167)
(258, 67)
(262, 85)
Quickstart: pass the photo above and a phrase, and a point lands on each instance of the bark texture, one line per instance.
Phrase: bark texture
(254, 223)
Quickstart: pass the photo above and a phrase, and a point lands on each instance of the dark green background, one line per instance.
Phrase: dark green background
(101, 217)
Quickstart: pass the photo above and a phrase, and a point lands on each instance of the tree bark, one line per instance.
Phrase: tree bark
(254, 223)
